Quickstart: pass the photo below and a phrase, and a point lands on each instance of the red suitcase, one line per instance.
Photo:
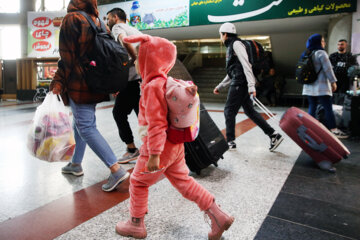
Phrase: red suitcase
(313, 137)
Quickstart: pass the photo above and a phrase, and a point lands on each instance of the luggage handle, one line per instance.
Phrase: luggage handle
(310, 141)
(265, 110)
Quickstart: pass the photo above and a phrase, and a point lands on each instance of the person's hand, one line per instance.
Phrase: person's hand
(115, 94)
(216, 91)
(154, 163)
(56, 91)
(333, 86)
(253, 94)
(132, 62)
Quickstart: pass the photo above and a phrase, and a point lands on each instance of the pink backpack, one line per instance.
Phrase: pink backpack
(184, 110)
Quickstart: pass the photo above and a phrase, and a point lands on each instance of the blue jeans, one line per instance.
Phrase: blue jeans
(326, 102)
(85, 132)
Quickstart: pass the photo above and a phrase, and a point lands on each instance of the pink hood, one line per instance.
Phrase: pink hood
(156, 56)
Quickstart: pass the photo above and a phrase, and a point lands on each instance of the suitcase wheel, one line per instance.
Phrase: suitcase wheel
(216, 165)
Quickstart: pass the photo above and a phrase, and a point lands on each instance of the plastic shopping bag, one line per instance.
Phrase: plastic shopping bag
(51, 136)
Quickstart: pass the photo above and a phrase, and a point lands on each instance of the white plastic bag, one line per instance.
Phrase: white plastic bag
(51, 136)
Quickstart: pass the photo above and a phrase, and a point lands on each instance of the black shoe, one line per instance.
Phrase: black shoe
(232, 145)
(275, 141)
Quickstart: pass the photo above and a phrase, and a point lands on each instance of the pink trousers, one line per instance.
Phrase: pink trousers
(175, 169)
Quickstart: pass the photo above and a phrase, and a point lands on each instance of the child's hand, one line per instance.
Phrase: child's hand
(154, 163)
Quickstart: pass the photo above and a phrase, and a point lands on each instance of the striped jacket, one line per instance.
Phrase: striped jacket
(321, 86)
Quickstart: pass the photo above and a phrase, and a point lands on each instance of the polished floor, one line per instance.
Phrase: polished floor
(279, 195)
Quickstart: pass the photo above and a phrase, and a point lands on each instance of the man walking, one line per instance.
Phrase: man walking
(341, 61)
(241, 79)
(127, 100)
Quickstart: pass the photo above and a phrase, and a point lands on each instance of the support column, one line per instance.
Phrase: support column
(355, 38)
(25, 6)
(339, 28)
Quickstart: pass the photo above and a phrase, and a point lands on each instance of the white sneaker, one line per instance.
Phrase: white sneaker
(339, 134)
(232, 145)
(275, 141)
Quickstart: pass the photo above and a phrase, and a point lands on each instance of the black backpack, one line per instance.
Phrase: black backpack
(305, 70)
(106, 66)
(257, 56)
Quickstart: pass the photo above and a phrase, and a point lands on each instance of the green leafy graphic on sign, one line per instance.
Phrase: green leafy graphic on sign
(179, 21)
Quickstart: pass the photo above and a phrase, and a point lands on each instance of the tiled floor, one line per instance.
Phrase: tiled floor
(251, 183)
(326, 206)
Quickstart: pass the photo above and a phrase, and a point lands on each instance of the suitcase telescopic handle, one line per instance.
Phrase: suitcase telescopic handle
(265, 110)
(305, 135)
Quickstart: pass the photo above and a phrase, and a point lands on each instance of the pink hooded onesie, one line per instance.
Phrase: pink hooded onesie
(156, 56)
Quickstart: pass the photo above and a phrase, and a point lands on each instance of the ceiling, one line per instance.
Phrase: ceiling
(264, 27)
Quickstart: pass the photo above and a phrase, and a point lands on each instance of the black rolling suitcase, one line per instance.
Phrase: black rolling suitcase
(351, 114)
(208, 147)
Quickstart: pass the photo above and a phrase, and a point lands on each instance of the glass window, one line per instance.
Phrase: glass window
(52, 5)
(7, 6)
(10, 44)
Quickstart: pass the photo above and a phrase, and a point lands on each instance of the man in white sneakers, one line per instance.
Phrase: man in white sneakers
(127, 100)
(241, 80)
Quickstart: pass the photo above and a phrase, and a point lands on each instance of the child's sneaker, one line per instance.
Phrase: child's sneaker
(232, 145)
(115, 179)
(339, 134)
(134, 227)
(74, 169)
(275, 141)
(220, 221)
(128, 156)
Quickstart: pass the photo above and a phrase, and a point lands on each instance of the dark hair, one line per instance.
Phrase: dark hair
(230, 35)
(342, 40)
(118, 12)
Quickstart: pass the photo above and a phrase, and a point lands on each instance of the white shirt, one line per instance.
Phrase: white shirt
(126, 30)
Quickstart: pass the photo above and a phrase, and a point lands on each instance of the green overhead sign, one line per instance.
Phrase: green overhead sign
(204, 12)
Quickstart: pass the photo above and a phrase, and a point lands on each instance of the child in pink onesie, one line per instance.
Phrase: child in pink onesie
(156, 56)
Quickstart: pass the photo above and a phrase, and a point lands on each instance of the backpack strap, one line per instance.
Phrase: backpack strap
(94, 27)
(91, 22)
(257, 49)
(248, 49)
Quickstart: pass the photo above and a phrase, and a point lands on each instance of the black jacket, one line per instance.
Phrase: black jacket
(234, 68)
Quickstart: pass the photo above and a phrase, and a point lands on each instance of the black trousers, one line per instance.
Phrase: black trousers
(238, 96)
(126, 101)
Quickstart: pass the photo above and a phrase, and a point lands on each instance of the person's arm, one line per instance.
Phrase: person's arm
(353, 61)
(242, 55)
(326, 66)
(119, 34)
(68, 42)
(57, 83)
(156, 117)
(223, 84)
(129, 47)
